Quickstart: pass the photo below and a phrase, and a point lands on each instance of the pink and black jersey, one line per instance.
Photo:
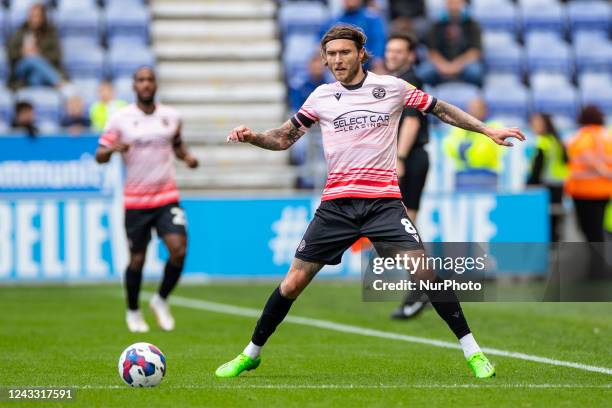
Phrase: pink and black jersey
(150, 174)
(359, 124)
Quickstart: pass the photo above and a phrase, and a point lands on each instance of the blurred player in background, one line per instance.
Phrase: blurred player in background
(359, 117)
(148, 137)
(412, 158)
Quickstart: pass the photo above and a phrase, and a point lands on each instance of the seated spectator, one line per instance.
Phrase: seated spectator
(34, 52)
(454, 45)
(75, 120)
(104, 107)
(24, 120)
(411, 12)
(373, 26)
(304, 85)
(478, 160)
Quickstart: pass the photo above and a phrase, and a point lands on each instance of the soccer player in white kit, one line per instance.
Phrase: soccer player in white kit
(359, 116)
(148, 137)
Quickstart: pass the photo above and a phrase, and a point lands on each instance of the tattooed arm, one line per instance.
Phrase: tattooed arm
(274, 139)
(454, 116)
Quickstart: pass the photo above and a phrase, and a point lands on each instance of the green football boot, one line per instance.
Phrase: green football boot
(480, 365)
(236, 366)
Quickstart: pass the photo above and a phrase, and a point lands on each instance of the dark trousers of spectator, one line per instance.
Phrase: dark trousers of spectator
(590, 214)
(555, 193)
(472, 73)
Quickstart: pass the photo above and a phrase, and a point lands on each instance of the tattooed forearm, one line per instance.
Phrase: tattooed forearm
(278, 139)
(456, 117)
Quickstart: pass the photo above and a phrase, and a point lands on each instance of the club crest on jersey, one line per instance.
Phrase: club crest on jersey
(379, 92)
(165, 122)
(337, 95)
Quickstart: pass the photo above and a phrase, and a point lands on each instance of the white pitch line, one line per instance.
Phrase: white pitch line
(345, 328)
(343, 386)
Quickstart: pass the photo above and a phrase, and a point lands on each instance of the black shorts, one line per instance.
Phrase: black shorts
(167, 219)
(338, 223)
(416, 165)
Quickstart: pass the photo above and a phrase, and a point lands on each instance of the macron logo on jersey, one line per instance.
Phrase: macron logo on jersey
(360, 119)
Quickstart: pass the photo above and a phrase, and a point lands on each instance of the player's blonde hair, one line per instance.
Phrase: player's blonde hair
(345, 32)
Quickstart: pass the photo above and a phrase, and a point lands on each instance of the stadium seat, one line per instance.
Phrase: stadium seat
(124, 60)
(78, 18)
(83, 58)
(593, 52)
(506, 96)
(597, 93)
(87, 89)
(496, 15)
(123, 89)
(502, 52)
(127, 19)
(554, 94)
(591, 14)
(127, 40)
(543, 15)
(302, 17)
(47, 102)
(546, 52)
(592, 79)
(6, 105)
(299, 48)
(457, 93)
(434, 8)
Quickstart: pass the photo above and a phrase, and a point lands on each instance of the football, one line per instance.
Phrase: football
(142, 365)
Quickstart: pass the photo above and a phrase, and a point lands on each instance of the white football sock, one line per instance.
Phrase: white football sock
(252, 350)
(469, 345)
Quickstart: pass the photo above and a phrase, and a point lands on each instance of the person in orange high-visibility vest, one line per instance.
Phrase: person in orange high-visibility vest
(590, 172)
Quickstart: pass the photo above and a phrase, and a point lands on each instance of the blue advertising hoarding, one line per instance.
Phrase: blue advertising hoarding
(61, 218)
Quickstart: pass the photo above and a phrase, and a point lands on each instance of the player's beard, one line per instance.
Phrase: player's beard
(352, 71)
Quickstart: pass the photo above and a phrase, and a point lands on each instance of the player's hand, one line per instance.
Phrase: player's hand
(499, 136)
(120, 147)
(240, 134)
(191, 161)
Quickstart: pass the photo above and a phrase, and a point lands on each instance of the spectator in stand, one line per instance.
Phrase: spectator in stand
(34, 52)
(75, 120)
(454, 44)
(549, 168)
(304, 85)
(590, 172)
(412, 11)
(373, 26)
(24, 120)
(101, 110)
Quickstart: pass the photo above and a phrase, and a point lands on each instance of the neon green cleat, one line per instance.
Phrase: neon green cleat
(481, 366)
(236, 366)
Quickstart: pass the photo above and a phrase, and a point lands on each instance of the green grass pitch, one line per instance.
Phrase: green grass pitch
(73, 335)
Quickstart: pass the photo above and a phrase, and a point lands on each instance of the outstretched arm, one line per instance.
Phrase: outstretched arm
(454, 116)
(274, 139)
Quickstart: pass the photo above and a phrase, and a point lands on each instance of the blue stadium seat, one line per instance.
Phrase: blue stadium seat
(502, 52)
(47, 102)
(543, 15)
(128, 41)
(302, 17)
(554, 94)
(591, 14)
(506, 96)
(80, 18)
(87, 89)
(546, 52)
(127, 19)
(457, 93)
(593, 52)
(124, 60)
(496, 14)
(299, 48)
(123, 89)
(83, 58)
(6, 105)
(597, 93)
